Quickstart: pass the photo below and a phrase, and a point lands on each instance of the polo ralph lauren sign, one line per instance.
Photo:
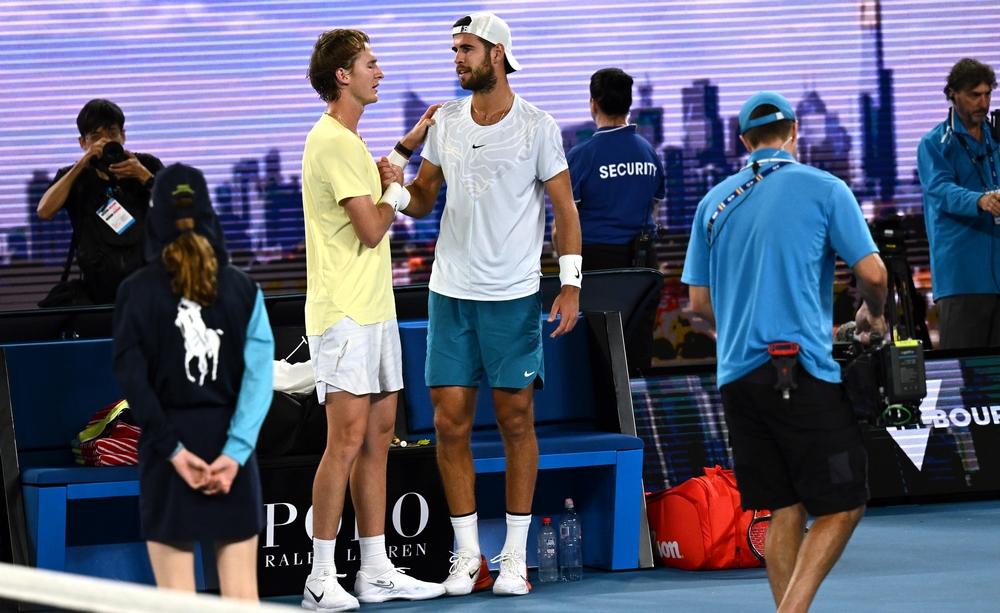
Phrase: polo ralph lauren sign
(418, 534)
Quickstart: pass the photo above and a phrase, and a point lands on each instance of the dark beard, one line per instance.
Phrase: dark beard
(481, 81)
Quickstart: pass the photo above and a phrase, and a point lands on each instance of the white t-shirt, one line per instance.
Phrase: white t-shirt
(494, 216)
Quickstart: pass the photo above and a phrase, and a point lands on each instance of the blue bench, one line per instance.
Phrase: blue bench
(53, 389)
(601, 470)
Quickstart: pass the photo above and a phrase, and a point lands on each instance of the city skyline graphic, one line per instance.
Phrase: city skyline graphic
(860, 106)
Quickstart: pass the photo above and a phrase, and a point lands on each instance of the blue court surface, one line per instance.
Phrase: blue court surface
(935, 557)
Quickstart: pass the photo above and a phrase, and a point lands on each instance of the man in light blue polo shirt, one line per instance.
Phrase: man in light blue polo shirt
(959, 166)
(760, 264)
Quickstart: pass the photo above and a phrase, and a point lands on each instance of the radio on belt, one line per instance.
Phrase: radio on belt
(784, 357)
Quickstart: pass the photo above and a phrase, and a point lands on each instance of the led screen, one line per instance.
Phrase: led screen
(221, 85)
(955, 450)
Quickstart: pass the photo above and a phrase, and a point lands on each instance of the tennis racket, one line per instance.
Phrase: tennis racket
(757, 532)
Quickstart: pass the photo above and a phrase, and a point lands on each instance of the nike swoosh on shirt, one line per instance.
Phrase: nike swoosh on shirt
(478, 146)
(528, 374)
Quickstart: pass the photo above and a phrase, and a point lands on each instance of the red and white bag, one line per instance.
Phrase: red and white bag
(699, 525)
(110, 438)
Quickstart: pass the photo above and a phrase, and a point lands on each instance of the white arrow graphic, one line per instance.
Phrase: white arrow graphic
(913, 441)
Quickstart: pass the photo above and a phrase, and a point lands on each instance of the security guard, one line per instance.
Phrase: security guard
(617, 180)
(618, 187)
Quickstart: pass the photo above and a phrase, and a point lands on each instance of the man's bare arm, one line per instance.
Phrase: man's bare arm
(567, 222)
(701, 303)
(424, 190)
(872, 283)
(370, 221)
(55, 197)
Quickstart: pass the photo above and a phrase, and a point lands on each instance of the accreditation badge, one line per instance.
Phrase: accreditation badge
(116, 216)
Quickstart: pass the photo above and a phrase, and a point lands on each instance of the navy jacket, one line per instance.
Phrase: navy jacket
(173, 354)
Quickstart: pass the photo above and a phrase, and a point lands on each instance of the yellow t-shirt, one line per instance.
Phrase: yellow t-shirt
(343, 277)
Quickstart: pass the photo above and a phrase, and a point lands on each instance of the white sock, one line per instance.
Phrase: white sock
(466, 530)
(323, 556)
(517, 534)
(374, 560)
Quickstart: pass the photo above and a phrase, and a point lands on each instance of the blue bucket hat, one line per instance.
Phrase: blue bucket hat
(775, 99)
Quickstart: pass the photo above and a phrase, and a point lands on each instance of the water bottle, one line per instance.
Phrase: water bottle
(548, 552)
(570, 553)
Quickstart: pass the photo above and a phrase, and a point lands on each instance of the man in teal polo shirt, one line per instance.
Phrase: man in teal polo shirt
(959, 166)
(760, 264)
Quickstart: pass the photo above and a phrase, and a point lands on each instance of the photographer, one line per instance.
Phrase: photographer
(760, 263)
(959, 166)
(106, 193)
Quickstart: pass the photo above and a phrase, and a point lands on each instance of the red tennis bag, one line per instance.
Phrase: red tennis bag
(699, 525)
(110, 438)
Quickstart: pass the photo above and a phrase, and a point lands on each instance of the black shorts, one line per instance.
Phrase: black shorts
(805, 449)
(969, 320)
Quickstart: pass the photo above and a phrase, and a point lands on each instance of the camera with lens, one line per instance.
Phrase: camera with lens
(885, 380)
(112, 153)
(892, 232)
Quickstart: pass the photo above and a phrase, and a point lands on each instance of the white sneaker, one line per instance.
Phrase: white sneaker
(323, 593)
(468, 573)
(513, 578)
(394, 585)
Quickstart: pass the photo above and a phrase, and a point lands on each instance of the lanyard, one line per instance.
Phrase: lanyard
(977, 161)
(757, 178)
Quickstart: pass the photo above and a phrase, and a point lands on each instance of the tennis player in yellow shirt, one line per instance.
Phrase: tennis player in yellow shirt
(351, 320)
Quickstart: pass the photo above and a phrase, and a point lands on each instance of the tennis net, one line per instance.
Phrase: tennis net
(33, 589)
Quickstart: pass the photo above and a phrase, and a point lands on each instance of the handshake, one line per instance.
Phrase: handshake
(390, 167)
(209, 479)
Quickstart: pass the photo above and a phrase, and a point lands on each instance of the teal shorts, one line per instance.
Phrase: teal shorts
(467, 338)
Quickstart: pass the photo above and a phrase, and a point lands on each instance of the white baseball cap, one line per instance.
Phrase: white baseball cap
(489, 27)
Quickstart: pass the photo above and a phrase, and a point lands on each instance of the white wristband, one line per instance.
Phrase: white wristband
(397, 159)
(570, 270)
(396, 196)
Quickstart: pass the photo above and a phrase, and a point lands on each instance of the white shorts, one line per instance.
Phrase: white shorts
(358, 359)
